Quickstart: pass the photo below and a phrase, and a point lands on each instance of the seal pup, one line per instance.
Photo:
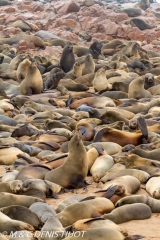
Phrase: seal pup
(100, 81)
(22, 69)
(149, 81)
(136, 89)
(32, 84)
(76, 72)
(153, 187)
(89, 65)
(72, 177)
(67, 59)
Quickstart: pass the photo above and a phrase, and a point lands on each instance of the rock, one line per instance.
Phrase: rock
(10, 10)
(69, 7)
(11, 31)
(66, 22)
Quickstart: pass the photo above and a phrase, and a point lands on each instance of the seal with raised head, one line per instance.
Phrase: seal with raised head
(73, 177)
(32, 84)
(67, 59)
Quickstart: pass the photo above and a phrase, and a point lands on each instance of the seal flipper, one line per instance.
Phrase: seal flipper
(29, 91)
(134, 237)
(143, 127)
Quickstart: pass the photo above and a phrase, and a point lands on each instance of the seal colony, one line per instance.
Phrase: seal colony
(89, 118)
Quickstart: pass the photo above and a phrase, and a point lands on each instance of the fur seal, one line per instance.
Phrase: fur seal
(22, 69)
(9, 225)
(32, 84)
(86, 130)
(92, 223)
(23, 36)
(47, 187)
(53, 225)
(136, 211)
(53, 80)
(154, 154)
(76, 72)
(95, 49)
(142, 176)
(143, 4)
(8, 199)
(71, 177)
(141, 24)
(86, 79)
(75, 198)
(11, 187)
(149, 80)
(21, 213)
(132, 12)
(32, 171)
(80, 51)
(154, 204)
(42, 210)
(100, 82)
(71, 85)
(91, 208)
(67, 59)
(129, 183)
(122, 138)
(89, 65)
(94, 102)
(101, 165)
(136, 89)
(153, 187)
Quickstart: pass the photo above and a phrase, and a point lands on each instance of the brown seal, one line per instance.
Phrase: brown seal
(21, 213)
(89, 65)
(136, 211)
(67, 59)
(91, 208)
(72, 177)
(136, 89)
(32, 84)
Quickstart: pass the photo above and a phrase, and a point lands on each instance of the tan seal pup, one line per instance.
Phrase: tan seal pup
(136, 89)
(100, 81)
(153, 187)
(22, 69)
(131, 184)
(16, 61)
(84, 209)
(47, 187)
(142, 176)
(75, 168)
(89, 65)
(136, 211)
(101, 165)
(9, 225)
(76, 72)
(11, 187)
(32, 84)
